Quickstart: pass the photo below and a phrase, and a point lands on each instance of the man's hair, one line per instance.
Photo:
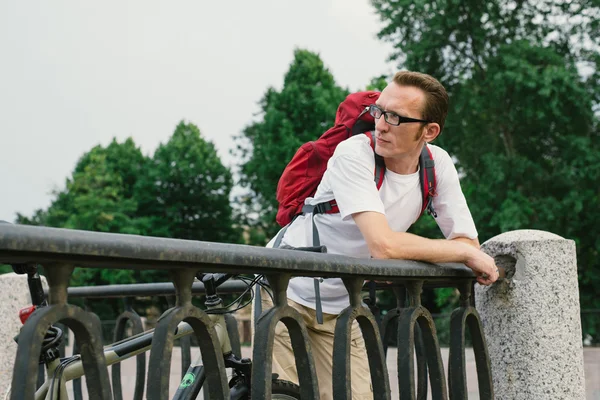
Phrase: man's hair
(436, 98)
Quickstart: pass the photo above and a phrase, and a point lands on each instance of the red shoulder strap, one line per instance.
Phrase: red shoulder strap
(379, 170)
(428, 180)
(331, 207)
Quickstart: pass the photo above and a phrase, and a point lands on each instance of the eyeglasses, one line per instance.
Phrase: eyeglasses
(390, 117)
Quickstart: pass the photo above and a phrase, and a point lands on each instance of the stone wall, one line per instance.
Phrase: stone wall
(14, 295)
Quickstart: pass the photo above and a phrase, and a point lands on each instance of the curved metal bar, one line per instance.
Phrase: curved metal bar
(482, 356)
(421, 363)
(400, 294)
(41, 376)
(457, 373)
(342, 388)
(262, 363)
(406, 347)
(162, 345)
(185, 345)
(234, 334)
(388, 324)
(62, 346)
(390, 321)
(86, 328)
(140, 374)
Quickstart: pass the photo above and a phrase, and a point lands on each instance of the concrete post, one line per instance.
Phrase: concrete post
(532, 319)
(14, 295)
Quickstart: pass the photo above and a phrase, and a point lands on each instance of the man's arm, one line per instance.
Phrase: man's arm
(472, 242)
(385, 243)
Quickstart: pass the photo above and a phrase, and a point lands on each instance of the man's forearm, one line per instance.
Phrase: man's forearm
(402, 245)
(471, 242)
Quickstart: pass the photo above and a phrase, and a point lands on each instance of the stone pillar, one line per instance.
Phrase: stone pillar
(14, 295)
(532, 319)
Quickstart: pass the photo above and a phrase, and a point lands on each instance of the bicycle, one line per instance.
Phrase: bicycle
(61, 370)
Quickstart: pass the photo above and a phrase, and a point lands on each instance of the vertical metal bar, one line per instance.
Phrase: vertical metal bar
(389, 327)
(140, 376)
(421, 364)
(77, 393)
(41, 375)
(234, 334)
(185, 345)
(257, 306)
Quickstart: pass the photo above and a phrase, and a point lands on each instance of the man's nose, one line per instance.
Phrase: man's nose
(381, 125)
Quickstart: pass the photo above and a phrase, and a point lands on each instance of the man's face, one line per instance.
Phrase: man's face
(406, 138)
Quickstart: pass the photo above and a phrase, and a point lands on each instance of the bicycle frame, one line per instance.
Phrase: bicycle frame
(115, 353)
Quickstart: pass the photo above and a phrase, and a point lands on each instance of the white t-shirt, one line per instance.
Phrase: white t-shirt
(349, 179)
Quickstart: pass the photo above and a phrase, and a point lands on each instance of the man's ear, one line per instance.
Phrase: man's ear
(432, 130)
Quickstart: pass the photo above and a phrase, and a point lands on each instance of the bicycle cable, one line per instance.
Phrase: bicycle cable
(262, 285)
(267, 289)
(226, 310)
(59, 371)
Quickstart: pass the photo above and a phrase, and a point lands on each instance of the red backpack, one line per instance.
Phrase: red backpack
(303, 174)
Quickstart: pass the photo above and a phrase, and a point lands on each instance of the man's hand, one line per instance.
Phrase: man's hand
(483, 266)
(480, 263)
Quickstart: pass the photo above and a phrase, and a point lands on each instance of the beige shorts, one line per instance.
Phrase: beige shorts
(321, 343)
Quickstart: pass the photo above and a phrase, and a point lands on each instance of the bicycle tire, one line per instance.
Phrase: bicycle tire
(284, 390)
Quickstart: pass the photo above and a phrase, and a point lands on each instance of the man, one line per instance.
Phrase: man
(410, 112)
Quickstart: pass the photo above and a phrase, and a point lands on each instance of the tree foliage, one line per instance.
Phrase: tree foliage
(99, 195)
(181, 192)
(302, 111)
(523, 82)
(185, 190)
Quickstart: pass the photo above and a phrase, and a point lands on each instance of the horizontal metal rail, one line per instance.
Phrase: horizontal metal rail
(146, 289)
(27, 244)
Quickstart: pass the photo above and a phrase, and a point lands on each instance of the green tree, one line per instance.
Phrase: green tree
(523, 79)
(185, 192)
(99, 197)
(303, 110)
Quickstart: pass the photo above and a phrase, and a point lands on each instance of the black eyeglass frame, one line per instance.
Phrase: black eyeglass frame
(401, 120)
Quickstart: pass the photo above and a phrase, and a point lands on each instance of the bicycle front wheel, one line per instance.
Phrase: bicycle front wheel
(285, 390)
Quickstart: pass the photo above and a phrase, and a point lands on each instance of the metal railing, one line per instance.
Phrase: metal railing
(60, 250)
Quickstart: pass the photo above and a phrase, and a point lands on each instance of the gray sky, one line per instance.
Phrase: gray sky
(76, 74)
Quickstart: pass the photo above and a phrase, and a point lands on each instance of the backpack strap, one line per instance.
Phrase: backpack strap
(313, 210)
(316, 243)
(281, 234)
(331, 207)
(428, 180)
(379, 163)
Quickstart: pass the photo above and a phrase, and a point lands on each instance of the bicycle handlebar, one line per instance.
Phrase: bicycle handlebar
(217, 278)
